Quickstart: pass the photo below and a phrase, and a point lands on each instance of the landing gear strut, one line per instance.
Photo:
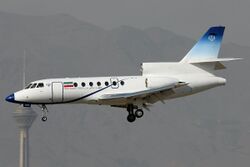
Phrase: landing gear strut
(45, 113)
(132, 115)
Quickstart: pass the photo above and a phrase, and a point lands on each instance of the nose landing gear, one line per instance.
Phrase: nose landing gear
(132, 115)
(45, 112)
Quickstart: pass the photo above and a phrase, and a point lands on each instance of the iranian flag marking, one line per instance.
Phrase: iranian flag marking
(68, 85)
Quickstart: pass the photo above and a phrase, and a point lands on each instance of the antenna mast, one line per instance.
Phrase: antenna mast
(24, 68)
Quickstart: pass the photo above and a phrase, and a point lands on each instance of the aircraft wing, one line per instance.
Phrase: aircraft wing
(142, 94)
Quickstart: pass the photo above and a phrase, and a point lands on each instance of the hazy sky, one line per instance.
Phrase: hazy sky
(187, 17)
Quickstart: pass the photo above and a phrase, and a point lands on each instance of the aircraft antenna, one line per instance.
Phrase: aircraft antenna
(24, 68)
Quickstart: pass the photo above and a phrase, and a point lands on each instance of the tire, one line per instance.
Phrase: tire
(44, 119)
(131, 118)
(139, 113)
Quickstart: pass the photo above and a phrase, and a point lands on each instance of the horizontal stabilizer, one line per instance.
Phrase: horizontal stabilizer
(213, 60)
(214, 64)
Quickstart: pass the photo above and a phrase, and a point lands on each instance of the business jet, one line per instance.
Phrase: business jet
(159, 81)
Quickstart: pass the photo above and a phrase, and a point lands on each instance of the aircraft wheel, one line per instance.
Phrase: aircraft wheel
(139, 113)
(131, 118)
(44, 119)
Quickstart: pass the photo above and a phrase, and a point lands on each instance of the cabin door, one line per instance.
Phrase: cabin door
(57, 92)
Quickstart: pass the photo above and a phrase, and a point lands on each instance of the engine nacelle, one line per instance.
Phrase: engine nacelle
(160, 82)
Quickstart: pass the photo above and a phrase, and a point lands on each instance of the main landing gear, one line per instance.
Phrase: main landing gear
(133, 113)
(45, 112)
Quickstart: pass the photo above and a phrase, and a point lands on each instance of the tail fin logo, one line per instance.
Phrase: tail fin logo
(211, 37)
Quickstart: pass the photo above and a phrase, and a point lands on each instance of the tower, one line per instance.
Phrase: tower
(24, 117)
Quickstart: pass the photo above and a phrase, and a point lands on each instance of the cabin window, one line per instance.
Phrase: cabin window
(40, 85)
(114, 83)
(106, 83)
(91, 84)
(98, 83)
(122, 83)
(83, 84)
(33, 86)
(75, 84)
(27, 87)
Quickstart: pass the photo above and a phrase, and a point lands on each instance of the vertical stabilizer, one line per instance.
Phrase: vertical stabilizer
(207, 47)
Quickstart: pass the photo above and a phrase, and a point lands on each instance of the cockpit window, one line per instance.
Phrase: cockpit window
(40, 85)
(33, 86)
(27, 87)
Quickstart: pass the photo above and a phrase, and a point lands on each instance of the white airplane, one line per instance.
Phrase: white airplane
(159, 81)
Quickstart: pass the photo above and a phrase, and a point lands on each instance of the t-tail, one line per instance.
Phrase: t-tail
(206, 50)
(201, 59)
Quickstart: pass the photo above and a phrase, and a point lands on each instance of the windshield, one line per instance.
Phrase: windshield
(34, 85)
(27, 87)
(40, 85)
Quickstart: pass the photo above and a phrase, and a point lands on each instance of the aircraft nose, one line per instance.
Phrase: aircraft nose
(10, 98)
